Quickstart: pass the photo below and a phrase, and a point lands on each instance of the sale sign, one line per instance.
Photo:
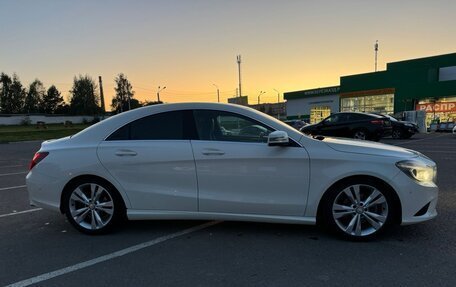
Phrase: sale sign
(437, 107)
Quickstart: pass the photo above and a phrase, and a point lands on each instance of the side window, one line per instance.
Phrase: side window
(163, 126)
(332, 119)
(225, 126)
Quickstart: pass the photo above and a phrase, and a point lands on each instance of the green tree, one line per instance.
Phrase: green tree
(52, 100)
(5, 93)
(123, 101)
(84, 97)
(18, 95)
(34, 99)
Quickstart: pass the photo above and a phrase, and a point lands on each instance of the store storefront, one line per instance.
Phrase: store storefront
(424, 84)
(312, 105)
(373, 101)
(437, 111)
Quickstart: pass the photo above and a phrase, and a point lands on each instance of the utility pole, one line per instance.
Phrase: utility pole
(239, 70)
(376, 52)
(218, 93)
(102, 96)
(158, 92)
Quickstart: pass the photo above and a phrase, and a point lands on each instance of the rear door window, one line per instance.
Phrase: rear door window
(163, 126)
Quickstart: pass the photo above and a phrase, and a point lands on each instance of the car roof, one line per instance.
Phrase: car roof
(361, 113)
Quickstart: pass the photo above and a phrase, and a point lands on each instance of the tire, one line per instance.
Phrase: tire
(358, 209)
(93, 206)
(396, 134)
(360, 134)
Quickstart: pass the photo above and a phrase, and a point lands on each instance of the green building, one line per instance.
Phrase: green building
(427, 84)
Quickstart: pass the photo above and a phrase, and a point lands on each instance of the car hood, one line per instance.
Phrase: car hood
(368, 147)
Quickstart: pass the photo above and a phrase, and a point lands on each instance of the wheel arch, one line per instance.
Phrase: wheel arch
(88, 177)
(381, 182)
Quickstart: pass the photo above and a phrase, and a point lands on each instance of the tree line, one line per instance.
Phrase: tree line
(84, 97)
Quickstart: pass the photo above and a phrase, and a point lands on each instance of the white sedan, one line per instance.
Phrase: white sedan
(191, 161)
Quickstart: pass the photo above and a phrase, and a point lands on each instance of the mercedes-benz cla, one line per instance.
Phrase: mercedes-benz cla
(192, 161)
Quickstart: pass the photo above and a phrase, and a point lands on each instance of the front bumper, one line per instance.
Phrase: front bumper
(418, 201)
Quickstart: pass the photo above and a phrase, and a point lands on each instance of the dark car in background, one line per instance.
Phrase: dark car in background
(402, 129)
(351, 124)
(297, 124)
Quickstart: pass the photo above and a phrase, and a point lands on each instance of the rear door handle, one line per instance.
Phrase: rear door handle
(213, 151)
(126, 152)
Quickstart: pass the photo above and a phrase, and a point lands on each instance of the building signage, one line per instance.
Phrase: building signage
(322, 91)
(437, 107)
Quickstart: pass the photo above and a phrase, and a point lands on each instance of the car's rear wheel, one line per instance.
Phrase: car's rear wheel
(360, 134)
(93, 206)
(359, 209)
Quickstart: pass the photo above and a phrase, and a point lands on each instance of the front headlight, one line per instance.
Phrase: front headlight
(408, 125)
(419, 171)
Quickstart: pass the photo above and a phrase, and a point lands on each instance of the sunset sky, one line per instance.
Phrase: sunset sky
(188, 45)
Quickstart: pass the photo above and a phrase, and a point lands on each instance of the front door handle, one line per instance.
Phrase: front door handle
(126, 152)
(213, 151)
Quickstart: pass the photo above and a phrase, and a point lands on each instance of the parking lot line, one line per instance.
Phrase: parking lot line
(10, 166)
(12, 187)
(13, 173)
(20, 212)
(110, 256)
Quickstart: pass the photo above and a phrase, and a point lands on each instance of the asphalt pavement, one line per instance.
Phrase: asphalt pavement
(40, 248)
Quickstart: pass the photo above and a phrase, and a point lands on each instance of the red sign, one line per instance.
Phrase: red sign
(437, 107)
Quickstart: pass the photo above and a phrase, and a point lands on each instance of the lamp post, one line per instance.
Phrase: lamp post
(278, 96)
(259, 95)
(218, 93)
(158, 92)
(278, 103)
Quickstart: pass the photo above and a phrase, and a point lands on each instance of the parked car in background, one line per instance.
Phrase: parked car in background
(450, 126)
(297, 124)
(402, 129)
(363, 126)
(174, 161)
(454, 130)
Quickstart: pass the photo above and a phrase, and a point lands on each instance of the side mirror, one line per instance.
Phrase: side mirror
(278, 138)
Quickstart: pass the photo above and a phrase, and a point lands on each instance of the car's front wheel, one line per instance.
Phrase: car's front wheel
(92, 206)
(396, 134)
(359, 209)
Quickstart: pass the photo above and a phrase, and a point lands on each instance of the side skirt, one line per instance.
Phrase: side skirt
(188, 215)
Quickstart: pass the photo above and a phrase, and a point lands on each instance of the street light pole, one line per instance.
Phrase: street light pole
(259, 95)
(278, 96)
(218, 93)
(158, 92)
(278, 103)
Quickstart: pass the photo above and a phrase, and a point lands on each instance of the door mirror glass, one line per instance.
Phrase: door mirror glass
(278, 138)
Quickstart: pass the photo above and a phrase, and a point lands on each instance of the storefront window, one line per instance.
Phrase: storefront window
(438, 111)
(383, 104)
(317, 114)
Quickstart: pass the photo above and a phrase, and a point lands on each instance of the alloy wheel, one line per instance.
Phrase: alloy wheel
(360, 210)
(91, 206)
(360, 135)
(396, 134)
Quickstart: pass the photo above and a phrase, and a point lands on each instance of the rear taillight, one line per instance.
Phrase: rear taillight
(39, 156)
(377, 122)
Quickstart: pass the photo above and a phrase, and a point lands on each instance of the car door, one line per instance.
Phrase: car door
(333, 125)
(239, 173)
(152, 160)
